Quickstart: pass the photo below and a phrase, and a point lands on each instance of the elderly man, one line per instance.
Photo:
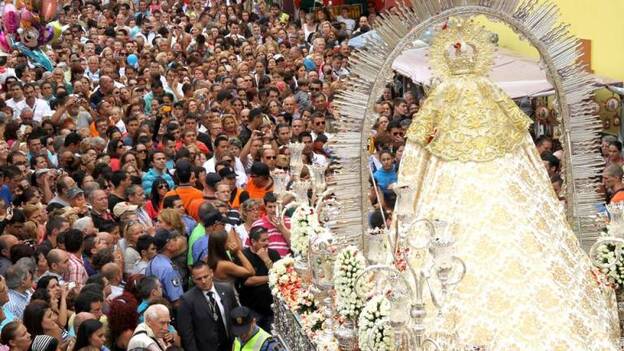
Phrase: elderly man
(85, 225)
(100, 212)
(19, 282)
(150, 335)
(612, 180)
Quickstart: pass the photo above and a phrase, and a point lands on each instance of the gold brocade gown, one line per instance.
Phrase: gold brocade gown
(529, 285)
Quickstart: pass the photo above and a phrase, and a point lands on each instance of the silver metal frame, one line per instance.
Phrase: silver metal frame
(537, 22)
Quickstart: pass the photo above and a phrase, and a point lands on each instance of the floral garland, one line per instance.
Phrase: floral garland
(374, 330)
(615, 272)
(284, 281)
(349, 264)
(304, 225)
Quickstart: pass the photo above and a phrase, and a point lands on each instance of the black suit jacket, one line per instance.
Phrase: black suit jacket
(195, 325)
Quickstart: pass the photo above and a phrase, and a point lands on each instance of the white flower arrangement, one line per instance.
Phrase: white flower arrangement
(350, 263)
(306, 303)
(312, 322)
(324, 344)
(374, 330)
(304, 225)
(284, 281)
(615, 272)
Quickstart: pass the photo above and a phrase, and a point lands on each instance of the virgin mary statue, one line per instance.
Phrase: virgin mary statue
(529, 286)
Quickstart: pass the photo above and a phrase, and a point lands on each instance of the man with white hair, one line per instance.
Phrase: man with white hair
(150, 334)
(85, 225)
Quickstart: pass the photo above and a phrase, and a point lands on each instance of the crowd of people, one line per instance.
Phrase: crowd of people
(137, 209)
(136, 203)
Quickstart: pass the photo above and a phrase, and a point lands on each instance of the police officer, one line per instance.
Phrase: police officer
(249, 336)
(168, 243)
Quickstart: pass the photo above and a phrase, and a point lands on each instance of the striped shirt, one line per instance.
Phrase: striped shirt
(277, 241)
(17, 302)
(76, 272)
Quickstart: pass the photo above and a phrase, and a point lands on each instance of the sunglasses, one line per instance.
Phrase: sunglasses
(163, 186)
(271, 157)
(319, 123)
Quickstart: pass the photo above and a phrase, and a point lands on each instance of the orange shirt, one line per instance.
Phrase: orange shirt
(256, 192)
(191, 198)
(618, 197)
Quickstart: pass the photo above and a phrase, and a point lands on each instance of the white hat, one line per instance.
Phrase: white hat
(122, 208)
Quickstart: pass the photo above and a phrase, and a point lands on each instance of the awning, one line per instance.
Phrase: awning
(517, 76)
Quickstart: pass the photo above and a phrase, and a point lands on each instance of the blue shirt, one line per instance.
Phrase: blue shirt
(17, 303)
(200, 248)
(8, 317)
(162, 268)
(6, 195)
(385, 178)
(189, 224)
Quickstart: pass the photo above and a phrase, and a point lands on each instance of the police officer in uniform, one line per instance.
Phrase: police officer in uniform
(249, 336)
(168, 243)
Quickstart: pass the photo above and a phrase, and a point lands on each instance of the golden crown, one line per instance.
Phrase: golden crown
(460, 46)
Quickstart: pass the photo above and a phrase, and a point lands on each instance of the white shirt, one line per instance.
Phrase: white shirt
(241, 176)
(40, 109)
(314, 135)
(17, 106)
(215, 295)
(349, 23)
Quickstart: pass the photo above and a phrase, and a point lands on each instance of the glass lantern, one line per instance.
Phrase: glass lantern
(322, 254)
(296, 159)
(318, 178)
(301, 187)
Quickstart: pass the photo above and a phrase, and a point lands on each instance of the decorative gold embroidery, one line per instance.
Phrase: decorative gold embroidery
(472, 127)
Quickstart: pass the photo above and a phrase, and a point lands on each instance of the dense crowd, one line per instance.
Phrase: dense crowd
(136, 203)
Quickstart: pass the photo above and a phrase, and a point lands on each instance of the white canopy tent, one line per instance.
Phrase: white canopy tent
(517, 76)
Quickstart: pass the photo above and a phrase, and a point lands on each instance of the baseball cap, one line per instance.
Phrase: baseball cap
(74, 192)
(212, 179)
(259, 169)
(163, 236)
(122, 208)
(278, 57)
(240, 320)
(227, 172)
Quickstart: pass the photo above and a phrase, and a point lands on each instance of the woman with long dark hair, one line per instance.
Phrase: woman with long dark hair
(49, 290)
(91, 335)
(39, 319)
(115, 149)
(225, 270)
(154, 205)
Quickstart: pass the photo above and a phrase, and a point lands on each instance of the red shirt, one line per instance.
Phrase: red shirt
(277, 241)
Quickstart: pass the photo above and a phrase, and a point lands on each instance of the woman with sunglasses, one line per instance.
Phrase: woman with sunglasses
(154, 205)
(115, 149)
